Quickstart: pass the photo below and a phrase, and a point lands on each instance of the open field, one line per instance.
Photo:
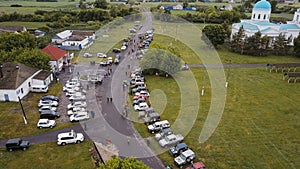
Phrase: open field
(28, 25)
(259, 126)
(11, 117)
(49, 155)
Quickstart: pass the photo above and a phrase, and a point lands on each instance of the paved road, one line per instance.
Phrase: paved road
(226, 65)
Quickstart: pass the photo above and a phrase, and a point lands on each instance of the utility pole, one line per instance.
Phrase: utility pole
(24, 115)
(203, 83)
(228, 74)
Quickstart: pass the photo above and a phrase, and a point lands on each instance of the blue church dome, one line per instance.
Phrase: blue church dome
(262, 5)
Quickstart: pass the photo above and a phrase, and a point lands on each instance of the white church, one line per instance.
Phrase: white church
(260, 21)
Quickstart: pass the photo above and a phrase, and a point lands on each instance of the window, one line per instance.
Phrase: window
(264, 16)
(253, 16)
(258, 16)
(297, 18)
(22, 90)
(29, 84)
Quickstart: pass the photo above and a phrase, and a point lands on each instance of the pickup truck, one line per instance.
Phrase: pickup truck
(171, 140)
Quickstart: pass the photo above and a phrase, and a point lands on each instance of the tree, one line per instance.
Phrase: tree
(34, 58)
(131, 2)
(216, 34)
(238, 40)
(297, 46)
(160, 61)
(9, 41)
(185, 4)
(101, 4)
(273, 5)
(117, 163)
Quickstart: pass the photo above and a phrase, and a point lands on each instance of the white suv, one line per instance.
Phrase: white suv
(45, 123)
(186, 157)
(69, 137)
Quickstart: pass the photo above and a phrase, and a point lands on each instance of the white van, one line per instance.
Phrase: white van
(39, 89)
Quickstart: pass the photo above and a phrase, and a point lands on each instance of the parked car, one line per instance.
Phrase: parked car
(117, 61)
(72, 84)
(43, 108)
(66, 89)
(49, 114)
(151, 118)
(157, 126)
(185, 157)
(69, 137)
(104, 63)
(76, 104)
(116, 50)
(87, 55)
(77, 98)
(138, 101)
(47, 103)
(178, 149)
(170, 140)
(17, 143)
(163, 133)
(101, 55)
(73, 80)
(76, 110)
(50, 97)
(46, 123)
(73, 92)
(79, 116)
(141, 106)
(123, 48)
(110, 60)
(197, 165)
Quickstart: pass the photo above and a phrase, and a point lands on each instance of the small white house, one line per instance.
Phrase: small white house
(61, 37)
(57, 57)
(17, 80)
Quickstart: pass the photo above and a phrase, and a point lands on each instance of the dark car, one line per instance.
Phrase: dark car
(16, 143)
(49, 114)
(116, 50)
(178, 149)
(151, 118)
(50, 97)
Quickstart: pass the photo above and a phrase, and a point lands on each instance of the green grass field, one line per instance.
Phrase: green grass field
(49, 156)
(28, 25)
(259, 126)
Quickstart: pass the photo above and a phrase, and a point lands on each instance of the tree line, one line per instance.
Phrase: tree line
(256, 44)
(63, 18)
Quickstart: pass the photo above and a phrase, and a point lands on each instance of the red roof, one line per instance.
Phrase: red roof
(54, 52)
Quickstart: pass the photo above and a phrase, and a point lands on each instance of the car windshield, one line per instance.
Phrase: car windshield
(182, 157)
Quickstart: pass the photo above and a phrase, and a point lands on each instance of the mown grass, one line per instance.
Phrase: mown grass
(28, 25)
(259, 126)
(49, 156)
(11, 117)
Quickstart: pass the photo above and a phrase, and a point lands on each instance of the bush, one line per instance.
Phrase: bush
(15, 5)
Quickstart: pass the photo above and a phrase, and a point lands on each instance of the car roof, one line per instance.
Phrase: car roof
(181, 145)
(154, 115)
(43, 120)
(198, 165)
(13, 140)
(171, 136)
(188, 152)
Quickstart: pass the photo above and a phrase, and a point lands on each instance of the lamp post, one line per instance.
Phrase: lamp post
(203, 83)
(24, 115)
(228, 73)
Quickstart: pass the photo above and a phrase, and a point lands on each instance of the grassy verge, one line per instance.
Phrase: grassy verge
(259, 124)
(11, 117)
(28, 25)
(49, 155)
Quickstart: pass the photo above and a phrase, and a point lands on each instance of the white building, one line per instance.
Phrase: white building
(260, 21)
(17, 80)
